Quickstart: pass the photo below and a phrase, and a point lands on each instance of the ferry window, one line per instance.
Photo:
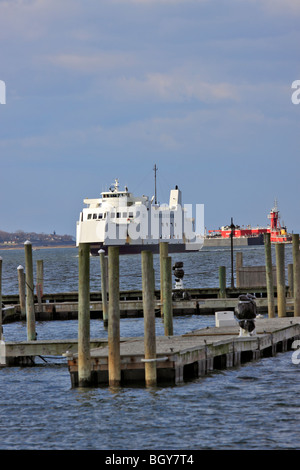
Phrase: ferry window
(94, 216)
(100, 216)
(118, 215)
(130, 214)
(112, 215)
(124, 214)
(89, 216)
(104, 215)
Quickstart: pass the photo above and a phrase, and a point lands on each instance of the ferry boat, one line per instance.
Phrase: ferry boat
(136, 223)
(250, 235)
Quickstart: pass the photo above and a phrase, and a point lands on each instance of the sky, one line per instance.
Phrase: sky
(105, 89)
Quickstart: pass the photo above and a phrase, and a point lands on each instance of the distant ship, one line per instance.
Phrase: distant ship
(248, 235)
(136, 223)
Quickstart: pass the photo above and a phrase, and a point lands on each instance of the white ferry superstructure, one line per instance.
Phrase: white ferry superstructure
(136, 223)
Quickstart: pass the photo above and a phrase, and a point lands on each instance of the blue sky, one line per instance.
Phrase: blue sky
(98, 90)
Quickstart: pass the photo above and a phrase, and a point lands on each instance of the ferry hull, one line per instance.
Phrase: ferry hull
(130, 249)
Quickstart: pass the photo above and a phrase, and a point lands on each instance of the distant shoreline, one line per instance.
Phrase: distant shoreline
(35, 247)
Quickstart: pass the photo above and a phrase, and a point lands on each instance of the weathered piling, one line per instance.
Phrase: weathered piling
(22, 296)
(167, 295)
(39, 282)
(269, 275)
(280, 270)
(30, 314)
(296, 274)
(291, 280)
(84, 359)
(103, 266)
(163, 252)
(114, 361)
(239, 264)
(222, 282)
(0, 299)
(149, 319)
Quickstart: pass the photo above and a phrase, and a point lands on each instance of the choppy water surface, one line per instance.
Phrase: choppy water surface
(255, 406)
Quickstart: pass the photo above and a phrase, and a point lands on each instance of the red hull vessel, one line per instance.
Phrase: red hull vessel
(278, 232)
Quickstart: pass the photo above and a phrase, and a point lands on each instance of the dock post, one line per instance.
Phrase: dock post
(163, 252)
(39, 282)
(269, 275)
(22, 298)
(296, 273)
(149, 319)
(84, 359)
(280, 271)
(239, 264)
(167, 295)
(222, 282)
(1, 332)
(103, 266)
(30, 313)
(291, 280)
(114, 360)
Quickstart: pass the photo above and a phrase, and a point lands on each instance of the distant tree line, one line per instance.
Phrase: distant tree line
(20, 237)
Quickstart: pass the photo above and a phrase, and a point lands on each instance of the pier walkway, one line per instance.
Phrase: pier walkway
(193, 354)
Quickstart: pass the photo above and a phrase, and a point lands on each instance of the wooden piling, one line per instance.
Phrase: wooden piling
(39, 282)
(22, 296)
(280, 270)
(269, 275)
(149, 319)
(222, 282)
(84, 359)
(163, 252)
(167, 295)
(30, 314)
(291, 280)
(114, 361)
(103, 266)
(239, 264)
(296, 274)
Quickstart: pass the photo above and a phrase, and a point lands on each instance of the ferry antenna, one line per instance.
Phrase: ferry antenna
(155, 170)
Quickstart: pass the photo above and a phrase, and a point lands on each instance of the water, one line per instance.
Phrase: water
(254, 406)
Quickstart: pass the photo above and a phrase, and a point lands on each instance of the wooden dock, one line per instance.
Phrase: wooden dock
(202, 301)
(194, 354)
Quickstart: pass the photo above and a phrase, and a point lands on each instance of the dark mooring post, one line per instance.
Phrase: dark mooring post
(269, 275)
(296, 274)
(84, 359)
(280, 271)
(22, 296)
(167, 295)
(232, 227)
(30, 314)
(114, 360)
(149, 319)
(103, 266)
(163, 252)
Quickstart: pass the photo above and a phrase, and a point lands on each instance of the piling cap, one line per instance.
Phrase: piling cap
(101, 251)
(20, 267)
(27, 242)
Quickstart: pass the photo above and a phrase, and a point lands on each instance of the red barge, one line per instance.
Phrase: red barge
(250, 235)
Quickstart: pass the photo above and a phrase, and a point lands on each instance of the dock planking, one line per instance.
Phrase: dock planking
(193, 354)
